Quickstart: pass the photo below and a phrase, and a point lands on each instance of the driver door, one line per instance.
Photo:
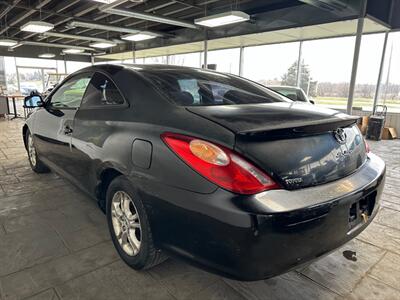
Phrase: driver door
(53, 124)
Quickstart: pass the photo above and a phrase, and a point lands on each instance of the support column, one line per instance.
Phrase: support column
(357, 45)
(16, 68)
(65, 65)
(388, 74)
(133, 53)
(205, 49)
(378, 83)
(298, 74)
(241, 58)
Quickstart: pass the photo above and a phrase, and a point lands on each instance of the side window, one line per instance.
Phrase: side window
(70, 94)
(102, 92)
(190, 86)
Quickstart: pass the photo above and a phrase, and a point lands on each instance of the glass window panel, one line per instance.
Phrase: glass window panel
(30, 79)
(11, 75)
(102, 91)
(36, 62)
(226, 60)
(73, 66)
(155, 60)
(60, 66)
(70, 94)
(188, 60)
(271, 64)
(329, 63)
(390, 85)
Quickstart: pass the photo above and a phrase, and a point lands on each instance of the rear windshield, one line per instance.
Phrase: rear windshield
(196, 87)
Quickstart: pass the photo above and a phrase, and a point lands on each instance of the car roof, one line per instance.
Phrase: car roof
(137, 68)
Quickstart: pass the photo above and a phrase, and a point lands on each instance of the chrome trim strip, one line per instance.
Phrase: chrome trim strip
(278, 201)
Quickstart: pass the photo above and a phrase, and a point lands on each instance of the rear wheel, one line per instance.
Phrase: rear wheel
(129, 226)
(36, 164)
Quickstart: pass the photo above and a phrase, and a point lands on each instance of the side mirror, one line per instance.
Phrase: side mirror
(311, 101)
(33, 101)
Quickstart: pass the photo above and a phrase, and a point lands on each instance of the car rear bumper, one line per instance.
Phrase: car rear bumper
(260, 236)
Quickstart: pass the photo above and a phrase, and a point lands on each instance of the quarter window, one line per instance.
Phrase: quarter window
(102, 92)
(70, 94)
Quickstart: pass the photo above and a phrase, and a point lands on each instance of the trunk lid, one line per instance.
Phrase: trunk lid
(300, 145)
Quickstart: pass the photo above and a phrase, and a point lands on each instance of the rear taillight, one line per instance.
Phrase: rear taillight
(220, 165)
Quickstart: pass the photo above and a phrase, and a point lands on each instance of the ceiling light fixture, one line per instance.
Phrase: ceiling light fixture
(47, 55)
(7, 43)
(102, 45)
(73, 51)
(141, 36)
(222, 19)
(37, 26)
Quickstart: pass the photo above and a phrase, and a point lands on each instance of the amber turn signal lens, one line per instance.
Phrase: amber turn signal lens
(209, 152)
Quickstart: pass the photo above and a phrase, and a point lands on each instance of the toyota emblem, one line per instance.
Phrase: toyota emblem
(340, 135)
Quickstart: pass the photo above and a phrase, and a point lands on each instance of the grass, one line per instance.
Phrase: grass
(358, 102)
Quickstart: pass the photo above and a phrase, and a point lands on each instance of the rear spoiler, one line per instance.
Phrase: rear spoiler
(292, 129)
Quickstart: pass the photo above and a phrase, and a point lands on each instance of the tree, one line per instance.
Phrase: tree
(290, 78)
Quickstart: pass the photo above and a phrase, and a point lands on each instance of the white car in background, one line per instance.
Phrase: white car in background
(292, 92)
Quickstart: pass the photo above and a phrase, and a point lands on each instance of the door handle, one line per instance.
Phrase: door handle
(68, 130)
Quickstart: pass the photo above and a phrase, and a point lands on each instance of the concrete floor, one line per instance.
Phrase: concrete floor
(54, 244)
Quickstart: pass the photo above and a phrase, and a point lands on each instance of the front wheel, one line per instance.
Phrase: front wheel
(129, 226)
(36, 164)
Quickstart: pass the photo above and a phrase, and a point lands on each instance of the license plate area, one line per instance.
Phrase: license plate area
(361, 211)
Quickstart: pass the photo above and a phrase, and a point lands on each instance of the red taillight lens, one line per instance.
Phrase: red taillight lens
(220, 165)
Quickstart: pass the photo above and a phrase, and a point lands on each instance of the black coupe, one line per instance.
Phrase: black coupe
(208, 167)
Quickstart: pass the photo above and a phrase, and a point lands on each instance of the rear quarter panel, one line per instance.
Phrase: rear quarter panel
(103, 137)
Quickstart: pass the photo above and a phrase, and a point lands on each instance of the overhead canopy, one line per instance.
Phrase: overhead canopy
(80, 23)
(334, 29)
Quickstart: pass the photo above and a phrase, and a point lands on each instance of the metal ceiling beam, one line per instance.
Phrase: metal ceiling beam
(16, 20)
(103, 27)
(9, 8)
(23, 16)
(51, 45)
(166, 14)
(330, 5)
(77, 37)
(48, 13)
(175, 11)
(64, 6)
(149, 17)
(157, 4)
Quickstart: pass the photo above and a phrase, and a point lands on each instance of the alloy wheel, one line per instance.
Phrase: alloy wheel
(126, 223)
(31, 150)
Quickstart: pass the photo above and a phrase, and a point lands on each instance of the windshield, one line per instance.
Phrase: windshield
(196, 87)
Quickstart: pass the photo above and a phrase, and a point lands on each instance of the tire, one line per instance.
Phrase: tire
(129, 226)
(36, 164)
